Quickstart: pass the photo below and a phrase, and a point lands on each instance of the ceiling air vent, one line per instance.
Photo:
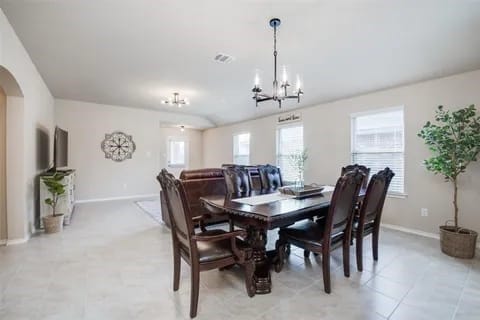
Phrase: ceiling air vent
(223, 58)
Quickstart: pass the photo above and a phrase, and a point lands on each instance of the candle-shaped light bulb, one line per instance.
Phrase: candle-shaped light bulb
(299, 84)
(284, 75)
(257, 80)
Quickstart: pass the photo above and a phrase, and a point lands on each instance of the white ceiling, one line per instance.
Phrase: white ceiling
(138, 52)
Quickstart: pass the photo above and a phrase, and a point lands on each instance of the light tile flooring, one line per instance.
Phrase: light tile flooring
(115, 262)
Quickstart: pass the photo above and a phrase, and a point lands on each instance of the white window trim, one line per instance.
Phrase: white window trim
(390, 194)
(233, 144)
(187, 156)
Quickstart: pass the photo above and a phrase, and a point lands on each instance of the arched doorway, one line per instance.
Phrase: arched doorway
(12, 182)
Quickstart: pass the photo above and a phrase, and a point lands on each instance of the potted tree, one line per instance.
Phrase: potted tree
(455, 142)
(54, 222)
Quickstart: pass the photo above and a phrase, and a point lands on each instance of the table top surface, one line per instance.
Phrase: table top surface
(272, 212)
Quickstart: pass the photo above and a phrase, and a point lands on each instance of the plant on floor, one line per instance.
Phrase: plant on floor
(455, 142)
(56, 188)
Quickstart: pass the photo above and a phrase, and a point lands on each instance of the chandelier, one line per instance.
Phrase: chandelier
(176, 101)
(280, 92)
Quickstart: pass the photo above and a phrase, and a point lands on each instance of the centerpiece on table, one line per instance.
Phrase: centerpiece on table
(297, 161)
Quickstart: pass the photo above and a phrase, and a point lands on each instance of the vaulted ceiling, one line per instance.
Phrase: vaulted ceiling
(137, 53)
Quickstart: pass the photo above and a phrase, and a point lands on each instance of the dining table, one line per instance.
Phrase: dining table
(262, 210)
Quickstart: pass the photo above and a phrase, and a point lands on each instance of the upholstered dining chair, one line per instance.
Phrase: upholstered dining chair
(363, 169)
(371, 213)
(326, 234)
(237, 180)
(203, 251)
(270, 177)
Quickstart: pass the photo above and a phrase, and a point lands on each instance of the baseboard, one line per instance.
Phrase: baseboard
(416, 232)
(140, 196)
(10, 242)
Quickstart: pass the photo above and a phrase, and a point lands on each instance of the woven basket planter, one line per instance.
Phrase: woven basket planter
(459, 244)
(53, 224)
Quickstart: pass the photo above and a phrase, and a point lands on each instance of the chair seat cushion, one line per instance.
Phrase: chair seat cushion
(308, 232)
(214, 250)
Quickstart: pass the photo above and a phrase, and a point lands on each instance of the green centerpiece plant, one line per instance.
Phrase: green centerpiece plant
(454, 140)
(54, 184)
(297, 161)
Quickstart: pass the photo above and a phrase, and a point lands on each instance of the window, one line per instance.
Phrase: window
(177, 154)
(289, 142)
(241, 148)
(378, 142)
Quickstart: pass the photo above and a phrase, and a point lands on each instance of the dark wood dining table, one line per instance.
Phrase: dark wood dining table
(258, 219)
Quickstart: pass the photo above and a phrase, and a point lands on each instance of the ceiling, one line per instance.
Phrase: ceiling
(138, 52)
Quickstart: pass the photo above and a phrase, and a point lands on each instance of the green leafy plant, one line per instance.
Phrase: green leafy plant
(454, 142)
(56, 189)
(297, 161)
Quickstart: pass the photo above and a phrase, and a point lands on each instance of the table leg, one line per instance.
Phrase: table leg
(257, 239)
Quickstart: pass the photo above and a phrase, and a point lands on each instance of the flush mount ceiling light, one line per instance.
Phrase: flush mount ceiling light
(280, 92)
(182, 128)
(176, 101)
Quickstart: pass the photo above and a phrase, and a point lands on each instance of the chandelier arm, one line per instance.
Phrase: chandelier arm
(263, 99)
(263, 95)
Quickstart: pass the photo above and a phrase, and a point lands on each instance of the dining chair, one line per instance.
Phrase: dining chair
(270, 177)
(371, 213)
(322, 236)
(212, 249)
(363, 169)
(237, 180)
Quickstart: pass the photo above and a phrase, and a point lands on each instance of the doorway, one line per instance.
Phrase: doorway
(3, 166)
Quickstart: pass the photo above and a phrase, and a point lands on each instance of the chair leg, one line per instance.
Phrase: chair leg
(306, 253)
(375, 235)
(194, 290)
(326, 272)
(281, 252)
(359, 252)
(176, 268)
(346, 258)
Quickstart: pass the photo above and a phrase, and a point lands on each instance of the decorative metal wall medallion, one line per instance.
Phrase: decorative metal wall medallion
(118, 146)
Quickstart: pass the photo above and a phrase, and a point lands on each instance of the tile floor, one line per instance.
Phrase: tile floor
(114, 262)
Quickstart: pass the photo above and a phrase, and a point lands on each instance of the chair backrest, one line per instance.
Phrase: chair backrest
(363, 169)
(344, 198)
(372, 205)
(270, 177)
(180, 217)
(237, 180)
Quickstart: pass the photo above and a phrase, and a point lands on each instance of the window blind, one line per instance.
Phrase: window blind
(378, 142)
(241, 149)
(289, 142)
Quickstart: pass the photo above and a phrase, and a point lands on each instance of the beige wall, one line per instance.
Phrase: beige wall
(327, 137)
(27, 113)
(3, 166)
(100, 178)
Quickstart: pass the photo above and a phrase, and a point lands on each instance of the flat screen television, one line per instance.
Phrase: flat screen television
(60, 149)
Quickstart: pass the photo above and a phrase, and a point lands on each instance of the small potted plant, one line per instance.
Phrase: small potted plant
(54, 222)
(297, 161)
(455, 143)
